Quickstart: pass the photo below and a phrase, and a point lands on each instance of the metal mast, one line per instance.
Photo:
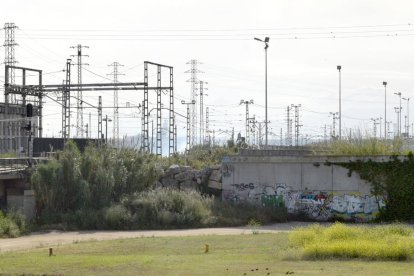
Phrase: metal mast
(79, 100)
(247, 139)
(193, 111)
(202, 111)
(100, 118)
(297, 125)
(207, 138)
(115, 74)
(66, 103)
(9, 57)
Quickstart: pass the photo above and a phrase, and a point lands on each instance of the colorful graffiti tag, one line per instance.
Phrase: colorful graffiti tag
(318, 205)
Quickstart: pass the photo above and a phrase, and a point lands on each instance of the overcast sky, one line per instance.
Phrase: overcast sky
(371, 40)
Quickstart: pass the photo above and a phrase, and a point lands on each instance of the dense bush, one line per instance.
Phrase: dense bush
(163, 209)
(392, 242)
(12, 224)
(393, 181)
(92, 180)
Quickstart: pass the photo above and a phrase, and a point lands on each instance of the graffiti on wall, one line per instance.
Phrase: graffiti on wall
(318, 205)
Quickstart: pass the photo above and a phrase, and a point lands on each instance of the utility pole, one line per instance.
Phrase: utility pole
(79, 100)
(100, 119)
(398, 111)
(194, 81)
(385, 110)
(207, 126)
(247, 103)
(340, 102)
(407, 123)
(334, 118)
(297, 125)
(90, 125)
(9, 57)
(115, 74)
(375, 123)
(202, 88)
(189, 138)
(288, 127)
(66, 103)
(106, 128)
(387, 127)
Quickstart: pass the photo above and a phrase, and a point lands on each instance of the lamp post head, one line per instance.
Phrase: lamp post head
(339, 67)
(267, 39)
(183, 102)
(384, 83)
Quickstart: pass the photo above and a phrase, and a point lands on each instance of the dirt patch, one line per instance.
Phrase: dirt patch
(55, 238)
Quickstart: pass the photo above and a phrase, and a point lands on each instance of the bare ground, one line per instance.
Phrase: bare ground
(55, 238)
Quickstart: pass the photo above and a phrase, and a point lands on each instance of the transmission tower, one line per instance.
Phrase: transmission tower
(79, 100)
(247, 103)
(9, 57)
(115, 74)
(193, 111)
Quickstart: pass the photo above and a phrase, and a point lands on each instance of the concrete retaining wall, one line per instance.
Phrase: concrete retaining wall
(306, 185)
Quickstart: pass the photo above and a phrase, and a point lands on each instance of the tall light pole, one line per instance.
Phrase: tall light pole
(385, 110)
(340, 103)
(266, 42)
(407, 126)
(399, 114)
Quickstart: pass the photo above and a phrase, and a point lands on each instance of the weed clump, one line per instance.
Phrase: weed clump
(391, 242)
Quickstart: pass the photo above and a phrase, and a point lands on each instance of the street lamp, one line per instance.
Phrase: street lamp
(340, 108)
(266, 42)
(385, 110)
(106, 119)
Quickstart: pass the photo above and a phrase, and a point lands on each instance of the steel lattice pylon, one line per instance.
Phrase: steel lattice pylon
(9, 56)
(79, 100)
(115, 73)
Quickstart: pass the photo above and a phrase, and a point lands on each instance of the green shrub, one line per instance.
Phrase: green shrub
(391, 242)
(12, 225)
(167, 208)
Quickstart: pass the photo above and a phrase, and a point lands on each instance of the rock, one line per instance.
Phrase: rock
(169, 183)
(174, 169)
(186, 175)
(188, 184)
(214, 185)
(215, 176)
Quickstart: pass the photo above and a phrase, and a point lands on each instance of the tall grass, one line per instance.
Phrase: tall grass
(359, 145)
(391, 242)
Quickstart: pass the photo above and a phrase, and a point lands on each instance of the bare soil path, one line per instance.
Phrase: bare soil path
(55, 238)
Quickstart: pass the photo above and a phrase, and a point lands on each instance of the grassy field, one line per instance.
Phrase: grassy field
(261, 254)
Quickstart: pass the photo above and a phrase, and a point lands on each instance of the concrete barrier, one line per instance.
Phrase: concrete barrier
(314, 186)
